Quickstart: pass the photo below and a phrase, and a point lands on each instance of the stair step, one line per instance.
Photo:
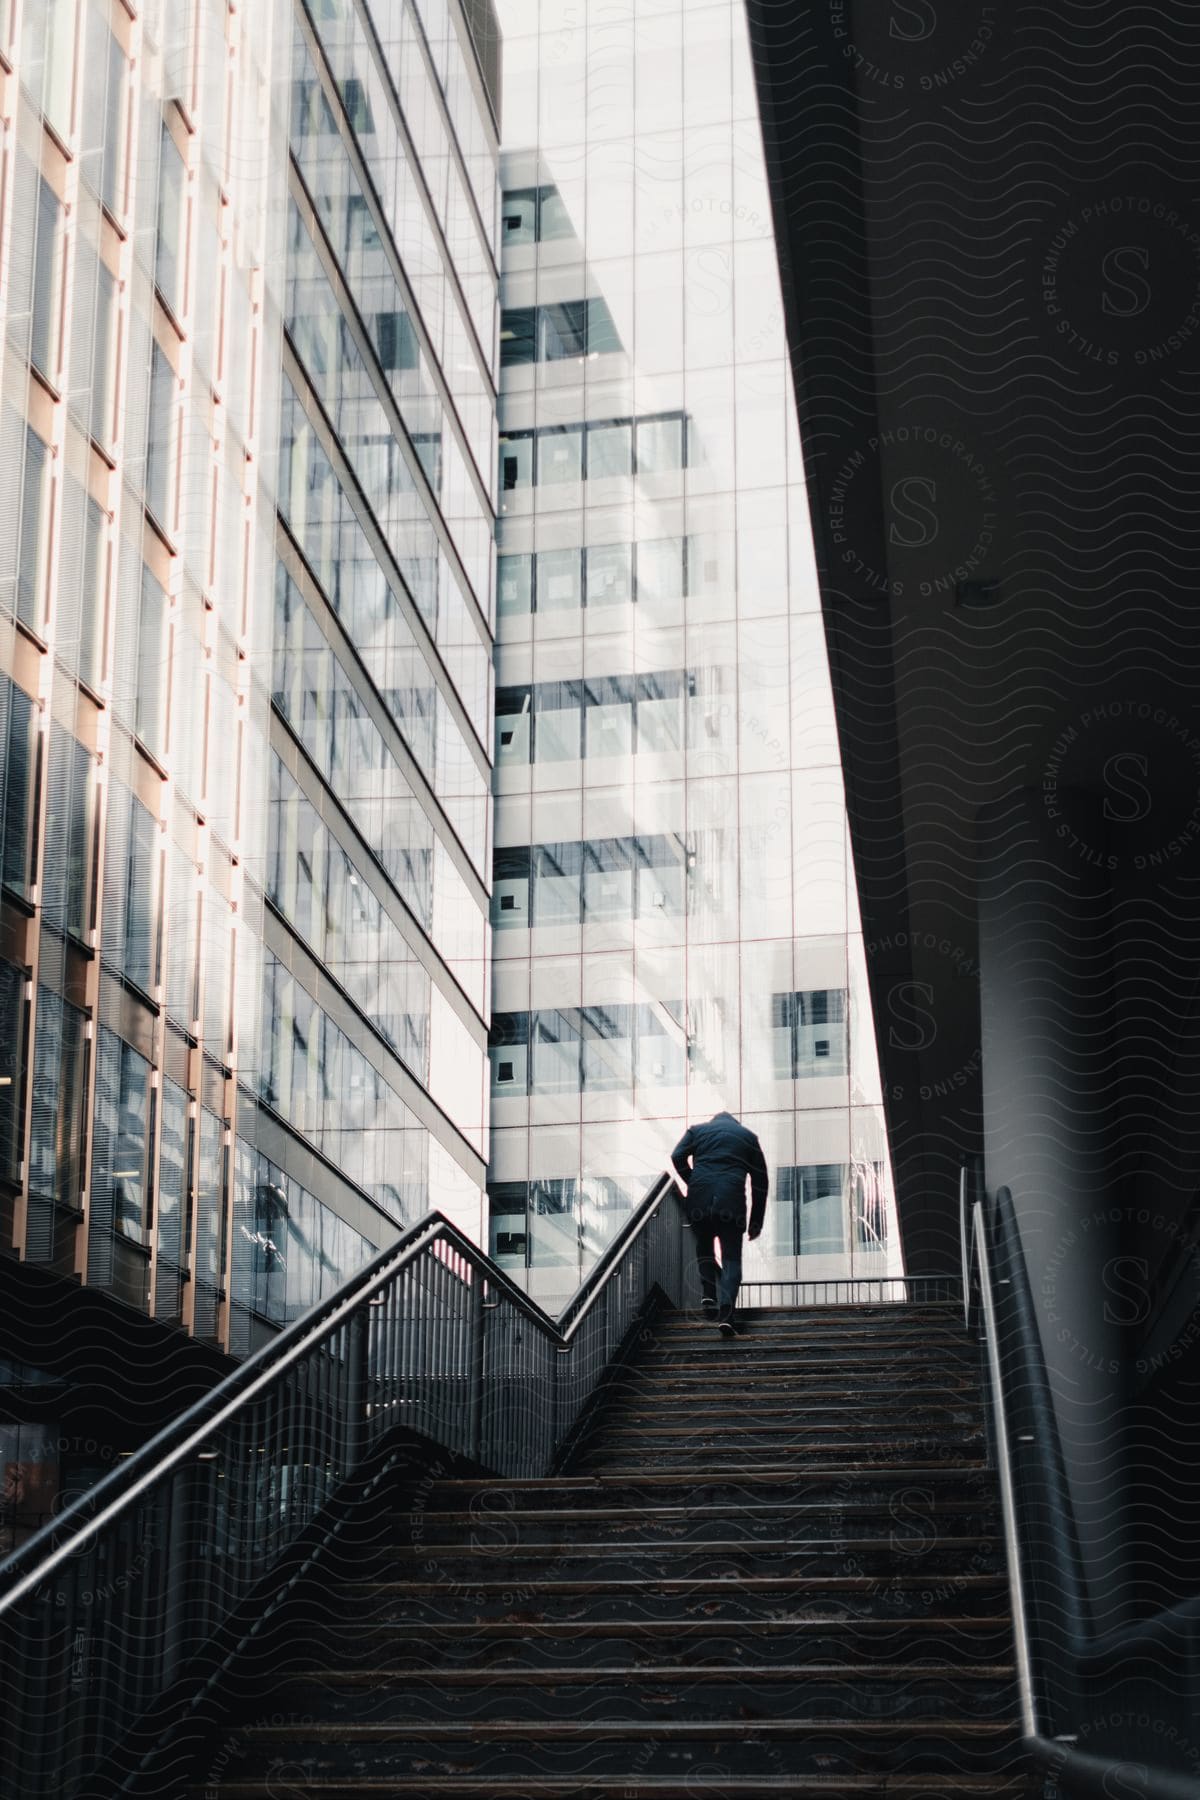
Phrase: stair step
(702, 1782)
(744, 1487)
(774, 1566)
(798, 1421)
(788, 1691)
(759, 1642)
(828, 1441)
(744, 1472)
(763, 1331)
(664, 1597)
(845, 1413)
(914, 1517)
(749, 1347)
(932, 1559)
(729, 1386)
(589, 1747)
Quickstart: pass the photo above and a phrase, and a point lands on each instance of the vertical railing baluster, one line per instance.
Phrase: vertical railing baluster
(355, 1432)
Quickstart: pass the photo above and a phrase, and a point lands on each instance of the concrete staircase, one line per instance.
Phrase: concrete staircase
(773, 1567)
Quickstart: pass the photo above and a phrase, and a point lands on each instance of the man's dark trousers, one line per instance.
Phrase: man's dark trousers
(709, 1229)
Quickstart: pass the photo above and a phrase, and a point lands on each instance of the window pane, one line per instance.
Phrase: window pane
(513, 721)
(160, 444)
(518, 217)
(12, 1054)
(659, 445)
(557, 728)
(101, 109)
(560, 455)
(555, 886)
(47, 58)
(610, 450)
(141, 942)
(610, 728)
(18, 741)
(555, 1054)
(559, 582)
(43, 343)
(514, 583)
(564, 330)
(168, 268)
(553, 219)
(59, 1076)
(151, 712)
(661, 1058)
(601, 328)
(661, 890)
(516, 461)
(31, 568)
(609, 574)
(69, 792)
(607, 882)
(518, 335)
(660, 569)
(659, 713)
(608, 1048)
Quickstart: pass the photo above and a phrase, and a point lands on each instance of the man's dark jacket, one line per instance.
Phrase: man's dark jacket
(723, 1152)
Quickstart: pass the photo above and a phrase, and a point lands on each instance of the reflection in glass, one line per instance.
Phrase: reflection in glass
(609, 574)
(514, 583)
(560, 455)
(559, 582)
(516, 460)
(660, 445)
(809, 1210)
(609, 449)
(809, 1033)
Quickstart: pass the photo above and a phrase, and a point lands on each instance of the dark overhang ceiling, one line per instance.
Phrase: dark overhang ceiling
(989, 236)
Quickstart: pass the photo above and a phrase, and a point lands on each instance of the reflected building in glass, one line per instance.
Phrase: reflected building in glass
(673, 902)
(248, 284)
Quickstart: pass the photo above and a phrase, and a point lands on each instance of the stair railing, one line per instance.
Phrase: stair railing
(107, 1613)
(1053, 1638)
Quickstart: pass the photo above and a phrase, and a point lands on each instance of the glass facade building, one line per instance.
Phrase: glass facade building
(673, 902)
(319, 907)
(249, 342)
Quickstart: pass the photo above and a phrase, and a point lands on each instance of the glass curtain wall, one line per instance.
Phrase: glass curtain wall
(673, 898)
(248, 344)
(140, 345)
(374, 901)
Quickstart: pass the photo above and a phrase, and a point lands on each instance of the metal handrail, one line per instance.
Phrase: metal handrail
(1073, 1770)
(1030, 1710)
(112, 1606)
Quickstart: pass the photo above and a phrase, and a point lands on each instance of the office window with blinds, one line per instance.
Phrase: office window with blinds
(209, 1270)
(121, 1126)
(66, 859)
(100, 110)
(35, 519)
(80, 591)
(129, 934)
(44, 331)
(171, 1221)
(160, 442)
(18, 750)
(153, 666)
(56, 1142)
(12, 1066)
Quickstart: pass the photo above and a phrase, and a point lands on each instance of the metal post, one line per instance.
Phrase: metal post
(1012, 1546)
(356, 1433)
(964, 1226)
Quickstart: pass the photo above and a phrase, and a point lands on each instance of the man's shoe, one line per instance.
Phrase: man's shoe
(727, 1328)
(708, 1306)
